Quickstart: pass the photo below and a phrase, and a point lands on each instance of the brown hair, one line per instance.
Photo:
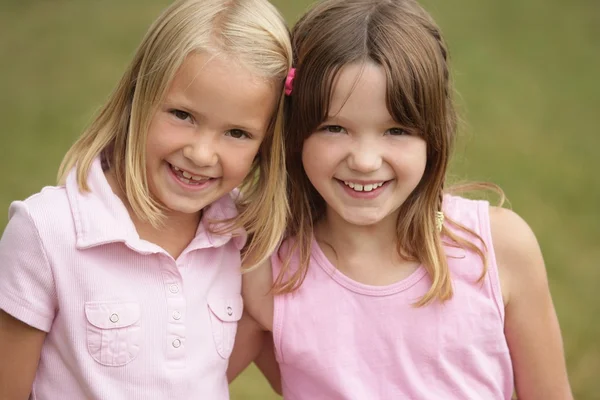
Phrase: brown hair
(402, 38)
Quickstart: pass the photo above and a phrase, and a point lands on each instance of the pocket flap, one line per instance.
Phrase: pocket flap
(111, 315)
(227, 309)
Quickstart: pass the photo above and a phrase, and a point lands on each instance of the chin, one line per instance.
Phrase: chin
(183, 207)
(363, 220)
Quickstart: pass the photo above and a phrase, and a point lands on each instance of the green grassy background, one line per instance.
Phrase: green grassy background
(526, 71)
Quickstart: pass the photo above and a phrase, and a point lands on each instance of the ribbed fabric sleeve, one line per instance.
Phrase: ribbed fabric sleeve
(27, 289)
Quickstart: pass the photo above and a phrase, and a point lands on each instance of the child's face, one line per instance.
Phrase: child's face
(206, 133)
(360, 160)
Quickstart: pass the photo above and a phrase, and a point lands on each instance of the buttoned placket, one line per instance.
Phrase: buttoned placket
(176, 310)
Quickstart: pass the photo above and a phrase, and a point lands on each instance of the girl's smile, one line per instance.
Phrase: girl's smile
(189, 181)
(364, 189)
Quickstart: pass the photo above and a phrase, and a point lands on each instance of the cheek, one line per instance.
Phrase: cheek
(318, 155)
(419, 159)
(412, 159)
(239, 162)
(310, 160)
(160, 137)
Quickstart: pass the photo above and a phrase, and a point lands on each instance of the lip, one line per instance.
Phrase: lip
(363, 195)
(189, 187)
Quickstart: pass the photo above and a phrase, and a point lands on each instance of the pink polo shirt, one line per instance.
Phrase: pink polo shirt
(124, 319)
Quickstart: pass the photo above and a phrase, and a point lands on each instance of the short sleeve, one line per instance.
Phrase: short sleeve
(27, 290)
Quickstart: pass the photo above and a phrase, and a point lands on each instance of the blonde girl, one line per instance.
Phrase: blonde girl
(123, 282)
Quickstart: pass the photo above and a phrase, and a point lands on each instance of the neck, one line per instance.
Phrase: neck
(367, 254)
(347, 238)
(173, 236)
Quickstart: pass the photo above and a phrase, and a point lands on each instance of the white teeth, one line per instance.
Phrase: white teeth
(363, 188)
(187, 176)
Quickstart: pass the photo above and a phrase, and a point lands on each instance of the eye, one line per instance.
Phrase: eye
(237, 134)
(397, 131)
(332, 129)
(179, 114)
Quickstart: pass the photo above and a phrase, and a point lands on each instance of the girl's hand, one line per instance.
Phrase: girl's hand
(530, 325)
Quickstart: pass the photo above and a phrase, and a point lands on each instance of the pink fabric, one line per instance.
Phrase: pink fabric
(338, 339)
(124, 319)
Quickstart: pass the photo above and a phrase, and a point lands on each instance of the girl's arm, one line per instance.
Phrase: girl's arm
(256, 321)
(267, 363)
(531, 325)
(20, 346)
(248, 345)
(252, 343)
(258, 297)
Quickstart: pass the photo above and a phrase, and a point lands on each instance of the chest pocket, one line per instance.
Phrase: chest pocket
(113, 331)
(225, 312)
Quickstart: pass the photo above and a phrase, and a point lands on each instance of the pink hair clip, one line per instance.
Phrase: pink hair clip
(289, 81)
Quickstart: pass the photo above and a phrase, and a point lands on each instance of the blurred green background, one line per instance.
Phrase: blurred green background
(526, 71)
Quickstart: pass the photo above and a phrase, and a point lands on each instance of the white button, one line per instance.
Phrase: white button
(174, 288)
(229, 311)
(114, 318)
(176, 315)
(177, 343)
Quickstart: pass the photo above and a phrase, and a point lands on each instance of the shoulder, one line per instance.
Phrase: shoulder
(51, 200)
(517, 252)
(512, 237)
(41, 224)
(48, 210)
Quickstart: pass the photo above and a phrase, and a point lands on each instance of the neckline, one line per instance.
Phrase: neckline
(361, 288)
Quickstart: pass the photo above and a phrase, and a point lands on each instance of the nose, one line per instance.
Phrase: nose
(203, 151)
(365, 156)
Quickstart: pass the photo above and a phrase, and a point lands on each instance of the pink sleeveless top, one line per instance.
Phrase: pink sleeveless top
(336, 338)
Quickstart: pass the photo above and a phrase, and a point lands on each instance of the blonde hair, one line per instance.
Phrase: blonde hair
(251, 32)
(404, 40)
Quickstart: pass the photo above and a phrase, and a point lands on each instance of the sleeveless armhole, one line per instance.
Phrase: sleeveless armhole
(278, 309)
(493, 276)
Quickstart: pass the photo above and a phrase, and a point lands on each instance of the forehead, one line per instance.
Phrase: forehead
(219, 86)
(359, 88)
